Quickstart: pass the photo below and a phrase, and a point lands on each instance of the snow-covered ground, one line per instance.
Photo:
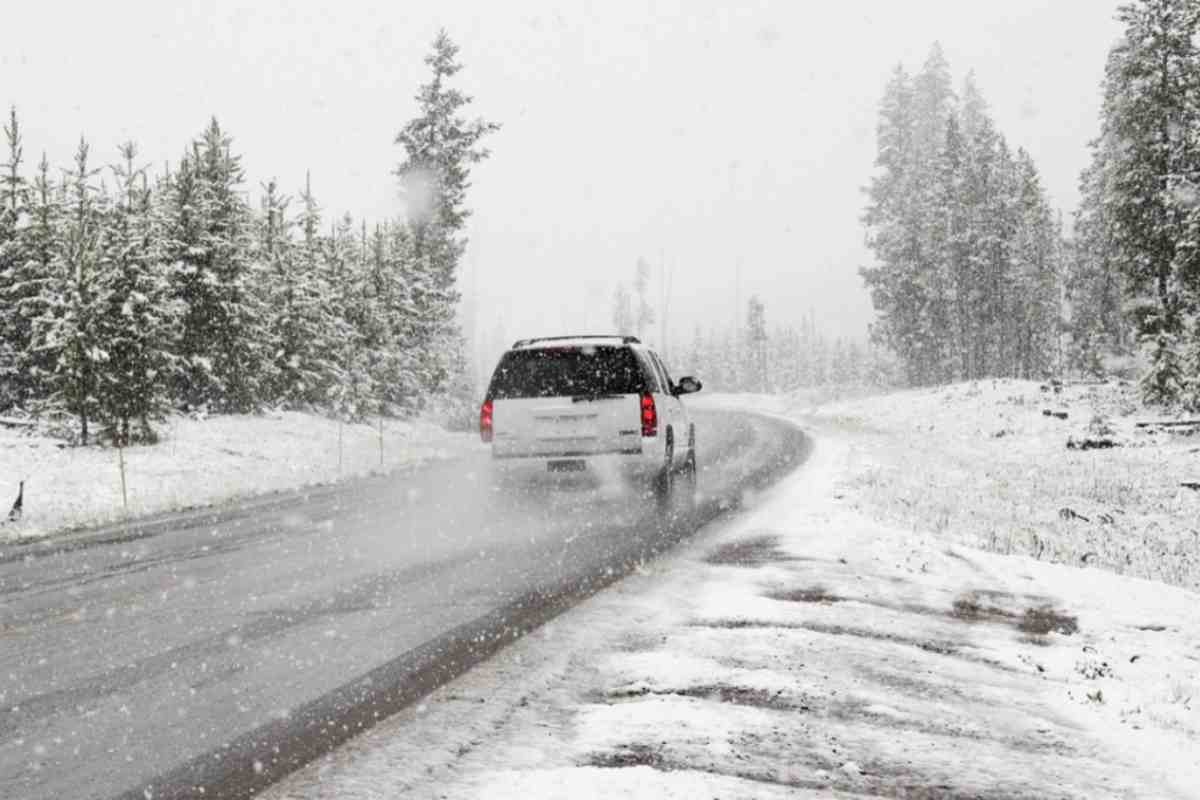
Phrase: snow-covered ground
(984, 464)
(199, 462)
(805, 647)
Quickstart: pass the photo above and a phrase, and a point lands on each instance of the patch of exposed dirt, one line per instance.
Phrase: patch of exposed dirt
(929, 645)
(941, 647)
(873, 778)
(812, 594)
(723, 693)
(633, 755)
(973, 607)
(842, 709)
(1044, 620)
(751, 552)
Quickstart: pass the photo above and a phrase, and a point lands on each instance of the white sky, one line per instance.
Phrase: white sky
(693, 133)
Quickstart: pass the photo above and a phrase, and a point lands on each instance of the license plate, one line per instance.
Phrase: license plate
(572, 465)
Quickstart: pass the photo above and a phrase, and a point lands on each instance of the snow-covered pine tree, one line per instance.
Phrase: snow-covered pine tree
(910, 284)
(67, 330)
(1095, 284)
(276, 257)
(238, 343)
(192, 283)
(1152, 79)
(934, 105)
(302, 338)
(136, 316)
(1035, 282)
(224, 342)
(440, 147)
(28, 291)
(886, 219)
(386, 311)
(14, 329)
(352, 324)
(982, 182)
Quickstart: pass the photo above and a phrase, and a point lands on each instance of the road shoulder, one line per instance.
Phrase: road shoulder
(800, 649)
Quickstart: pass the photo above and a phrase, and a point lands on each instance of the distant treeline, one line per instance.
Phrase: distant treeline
(972, 275)
(781, 359)
(123, 295)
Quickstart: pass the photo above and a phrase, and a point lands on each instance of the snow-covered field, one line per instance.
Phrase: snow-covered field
(983, 464)
(806, 647)
(199, 462)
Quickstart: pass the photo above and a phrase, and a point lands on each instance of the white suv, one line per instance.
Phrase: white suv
(571, 402)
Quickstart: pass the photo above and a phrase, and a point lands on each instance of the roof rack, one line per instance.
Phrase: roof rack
(624, 339)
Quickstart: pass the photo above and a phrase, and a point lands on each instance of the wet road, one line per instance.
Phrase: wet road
(218, 655)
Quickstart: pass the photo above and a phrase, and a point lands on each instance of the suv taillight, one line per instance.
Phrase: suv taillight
(485, 421)
(649, 415)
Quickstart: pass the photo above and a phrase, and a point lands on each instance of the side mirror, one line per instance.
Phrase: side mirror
(688, 385)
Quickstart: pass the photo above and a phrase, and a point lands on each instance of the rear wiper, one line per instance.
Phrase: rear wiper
(587, 398)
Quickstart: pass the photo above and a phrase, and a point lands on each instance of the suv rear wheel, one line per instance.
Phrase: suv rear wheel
(663, 483)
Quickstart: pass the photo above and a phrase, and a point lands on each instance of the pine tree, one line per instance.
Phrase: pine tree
(887, 219)
(224, 341)
(1035, 276)
(440, 148)
(136, 318)
(1151, 81)
(351, 324)
(29, 289)
(1095, 283)
(67, 330)
(304, 336)
(14, 330)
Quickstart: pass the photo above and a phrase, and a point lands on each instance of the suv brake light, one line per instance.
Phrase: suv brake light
(649, 415)
(485, 421)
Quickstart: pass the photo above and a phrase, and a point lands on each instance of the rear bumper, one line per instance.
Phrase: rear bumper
(645, 458)
(546, 455)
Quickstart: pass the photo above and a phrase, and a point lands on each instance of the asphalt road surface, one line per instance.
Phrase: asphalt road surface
(212, 655)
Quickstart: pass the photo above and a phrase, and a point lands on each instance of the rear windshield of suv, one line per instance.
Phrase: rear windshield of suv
(566, 372)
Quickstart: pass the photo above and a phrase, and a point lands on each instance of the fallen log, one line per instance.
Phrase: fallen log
(1056, 414)
(12, 422)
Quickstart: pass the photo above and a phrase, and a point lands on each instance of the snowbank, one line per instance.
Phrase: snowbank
(199, 462)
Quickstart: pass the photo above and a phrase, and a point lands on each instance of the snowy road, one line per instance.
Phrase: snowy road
(223, 654)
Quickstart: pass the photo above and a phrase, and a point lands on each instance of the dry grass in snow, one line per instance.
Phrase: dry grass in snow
(198, 462)
(983, 464)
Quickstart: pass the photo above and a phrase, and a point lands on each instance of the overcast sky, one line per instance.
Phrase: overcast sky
(692, 133)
